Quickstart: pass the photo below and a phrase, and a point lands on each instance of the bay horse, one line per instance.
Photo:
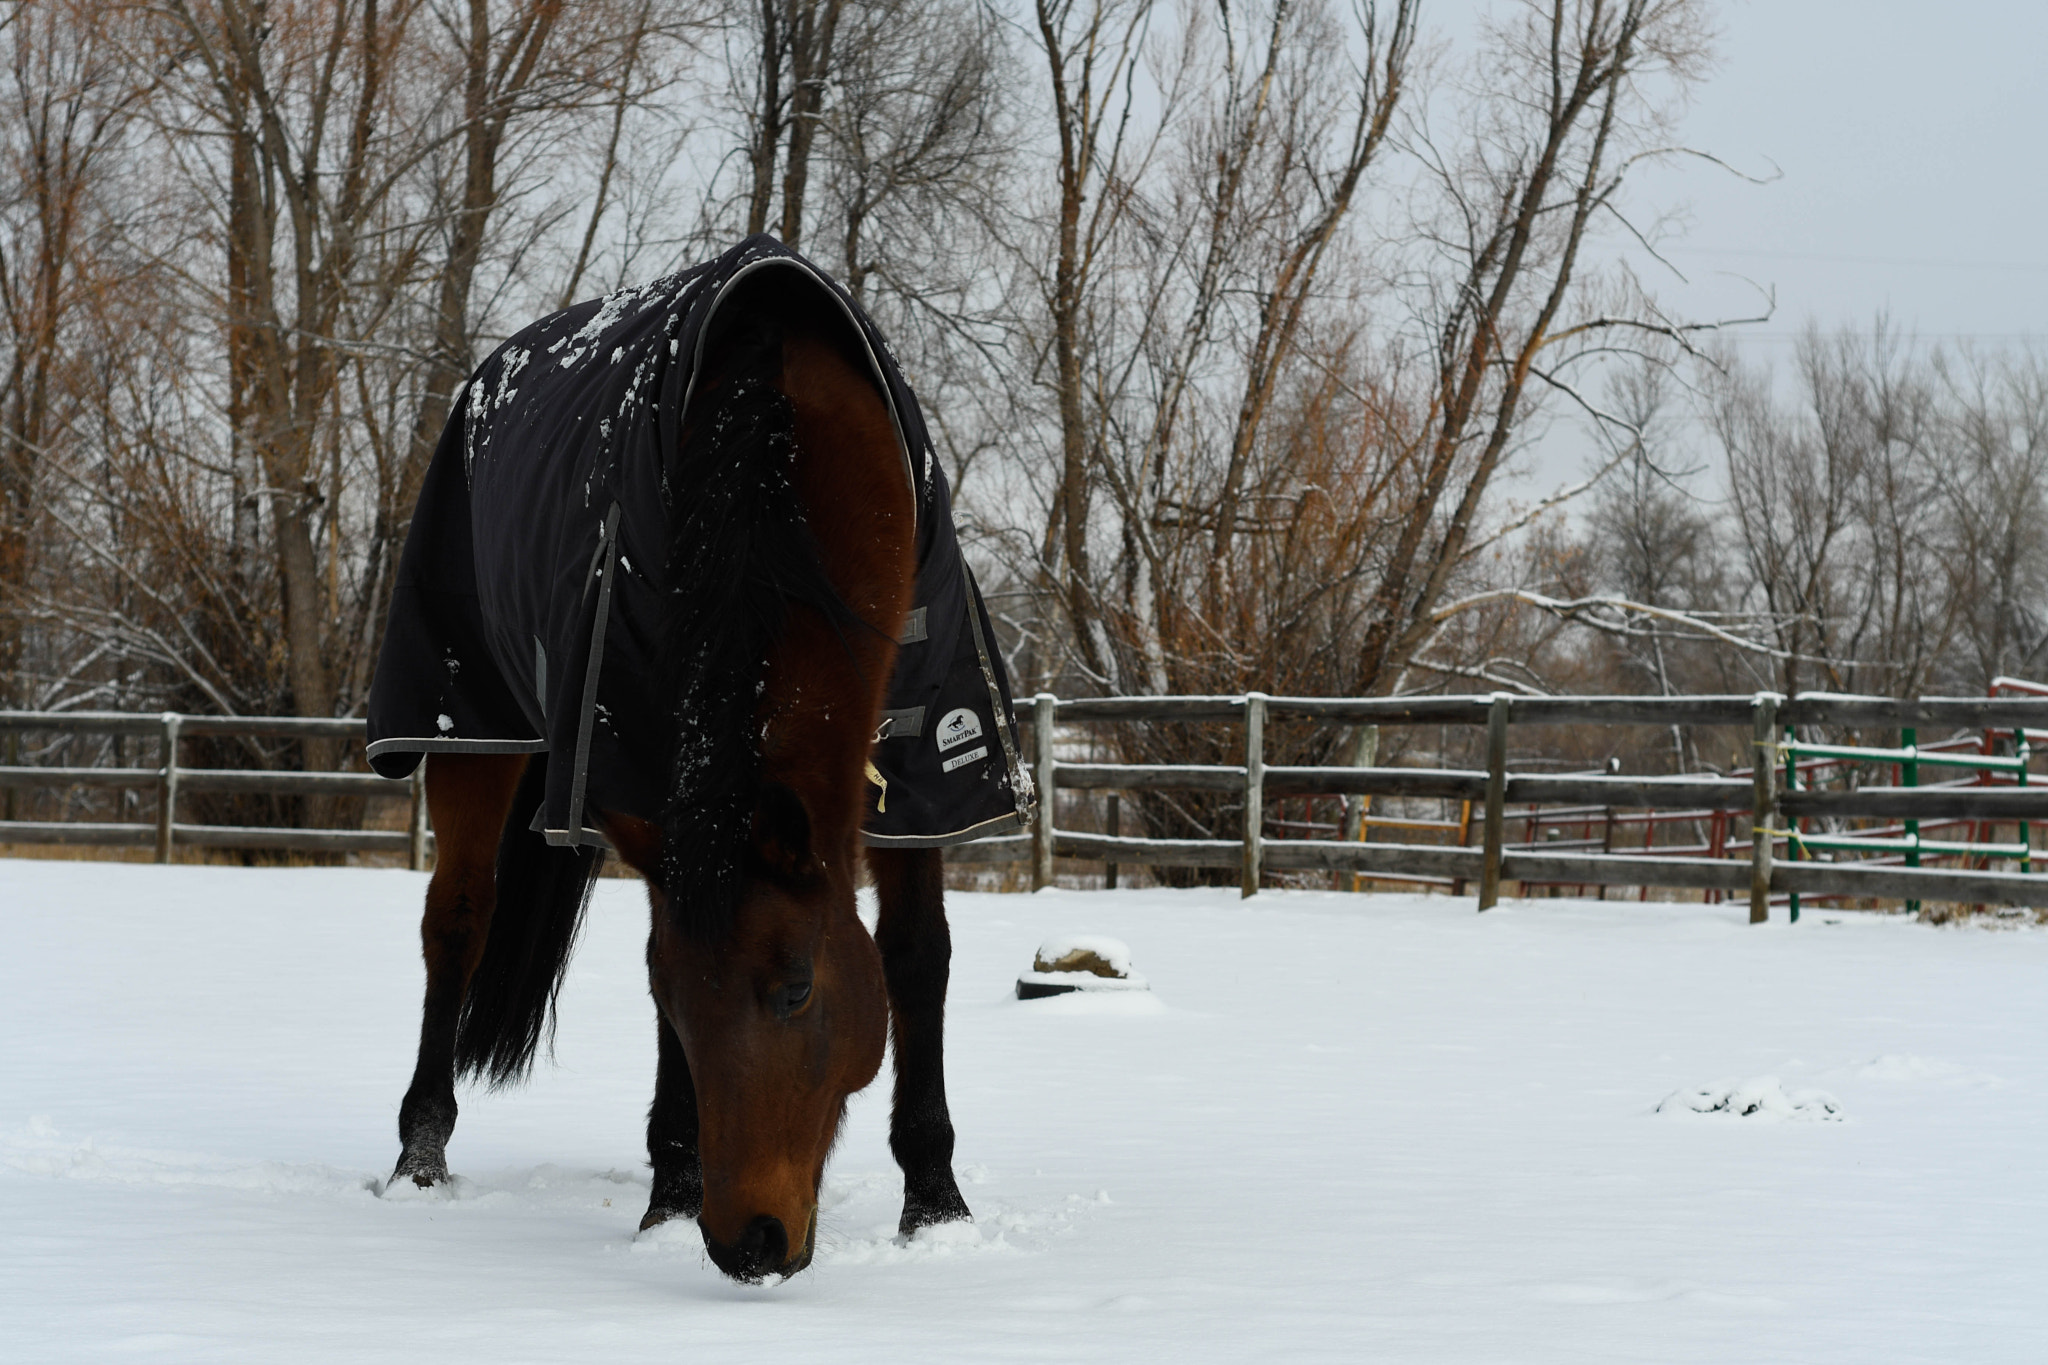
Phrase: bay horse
(789, 577)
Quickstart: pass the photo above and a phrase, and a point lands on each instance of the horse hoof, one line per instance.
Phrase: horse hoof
(424, 1172)
(934, 1208)
(655, 1217)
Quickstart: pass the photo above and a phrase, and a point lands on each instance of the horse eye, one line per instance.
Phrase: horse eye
(791, 998)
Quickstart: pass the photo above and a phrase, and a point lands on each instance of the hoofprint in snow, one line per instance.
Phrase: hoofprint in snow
(1337, 1128)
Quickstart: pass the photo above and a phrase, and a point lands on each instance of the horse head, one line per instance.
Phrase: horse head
(781, 1011)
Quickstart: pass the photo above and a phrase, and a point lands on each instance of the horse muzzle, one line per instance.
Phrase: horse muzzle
(762, 1249)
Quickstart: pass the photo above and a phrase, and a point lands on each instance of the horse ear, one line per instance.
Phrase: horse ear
(782, 836)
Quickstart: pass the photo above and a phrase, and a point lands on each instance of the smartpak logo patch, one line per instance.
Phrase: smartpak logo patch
(957, 727)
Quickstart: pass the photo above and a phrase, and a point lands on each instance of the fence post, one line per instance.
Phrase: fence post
(1763, 759)
(416, 849)
(1254, 788)
(167, 786)
(2019, 747)
(1041, 834)
(1496, 798)
(1909, 772)
(1607, 842)
(1794, 829)
(1110, 827)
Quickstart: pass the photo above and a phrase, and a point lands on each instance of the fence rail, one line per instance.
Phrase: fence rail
(1807, 708)
(1491, 789)
(1757, 795)
(169, 780)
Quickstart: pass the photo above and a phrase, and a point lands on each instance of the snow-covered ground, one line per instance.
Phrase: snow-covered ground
(1339, 1127)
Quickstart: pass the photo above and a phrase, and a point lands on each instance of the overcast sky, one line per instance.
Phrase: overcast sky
(1909, 138)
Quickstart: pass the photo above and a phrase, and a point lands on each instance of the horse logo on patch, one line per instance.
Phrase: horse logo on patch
(957, 727)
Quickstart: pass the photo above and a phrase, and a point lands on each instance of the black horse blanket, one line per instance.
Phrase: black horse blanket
(524, 612)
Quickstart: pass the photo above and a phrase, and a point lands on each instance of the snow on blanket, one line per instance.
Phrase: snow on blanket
(1338, 1128)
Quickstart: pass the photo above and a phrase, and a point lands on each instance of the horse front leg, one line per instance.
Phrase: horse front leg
(469, 797)
(917, 954)
(672, 1118)
(672, 1133)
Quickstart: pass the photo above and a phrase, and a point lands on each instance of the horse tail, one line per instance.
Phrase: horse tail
(739, 555)
(543, 891)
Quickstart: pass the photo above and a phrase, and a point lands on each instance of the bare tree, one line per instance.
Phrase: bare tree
(68, 107)
(1581, 92)
(1091, 53)
(298, 104)
(792, 49)
(315, 201)
(913, 145)
(1191, 225)
(1993, 489)
(363, 163)
(1835, 513)
(874, 133)
(499, 61)
(1651, 542)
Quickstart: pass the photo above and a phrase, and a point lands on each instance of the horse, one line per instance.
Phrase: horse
(739, 780)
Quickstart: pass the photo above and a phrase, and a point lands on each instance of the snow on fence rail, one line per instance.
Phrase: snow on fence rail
(169, 779)
(1758, 795)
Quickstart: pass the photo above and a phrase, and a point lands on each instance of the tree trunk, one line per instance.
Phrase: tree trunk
(815, 24)
(768, 116)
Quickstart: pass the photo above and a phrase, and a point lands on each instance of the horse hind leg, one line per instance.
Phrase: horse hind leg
(469, 797)
(917, 952)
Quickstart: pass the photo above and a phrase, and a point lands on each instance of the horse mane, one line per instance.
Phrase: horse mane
(740, 555)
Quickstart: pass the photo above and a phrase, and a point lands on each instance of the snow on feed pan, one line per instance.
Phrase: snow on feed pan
(1080, 962)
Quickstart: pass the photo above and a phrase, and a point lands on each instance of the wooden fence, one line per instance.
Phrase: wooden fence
(168, 780)
(1758, 795)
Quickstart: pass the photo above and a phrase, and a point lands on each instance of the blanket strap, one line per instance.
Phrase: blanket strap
(607, 556)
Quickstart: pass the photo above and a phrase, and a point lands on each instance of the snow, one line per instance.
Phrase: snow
(1114, 952)
(1338, 1128)
(610, 311)
(1762, 1098)
(510, 364)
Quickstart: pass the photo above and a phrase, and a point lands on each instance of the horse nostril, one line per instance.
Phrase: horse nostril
(761, 1249)
(765, 1242)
